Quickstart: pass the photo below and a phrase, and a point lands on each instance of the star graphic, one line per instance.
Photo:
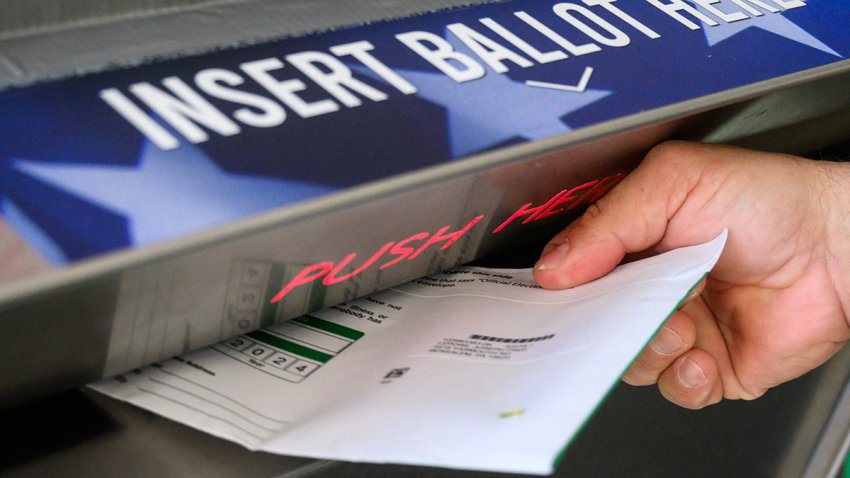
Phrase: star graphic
(770, 22)
(488, 111)
(36, 237)
(493, 109)
(170, 193)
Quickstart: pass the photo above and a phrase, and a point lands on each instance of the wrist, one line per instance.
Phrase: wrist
(832, 196)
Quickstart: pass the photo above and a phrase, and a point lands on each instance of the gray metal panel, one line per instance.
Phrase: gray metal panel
(48, 39)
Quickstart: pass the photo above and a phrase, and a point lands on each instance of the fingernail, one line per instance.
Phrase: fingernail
(667, 342)
(690, 374)
(554, 258)
(693, 293)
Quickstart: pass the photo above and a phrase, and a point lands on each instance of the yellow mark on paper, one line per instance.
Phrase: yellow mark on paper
(512, 413)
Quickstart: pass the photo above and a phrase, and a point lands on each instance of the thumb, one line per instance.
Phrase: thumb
(632, 217)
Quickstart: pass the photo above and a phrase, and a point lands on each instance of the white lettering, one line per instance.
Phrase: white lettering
(726, 17)
(335, 78)
(359, 51)
(488, 50)
(185, 109)
(285, 90)
(558, 39)
(138, 118)
(752, 11)
(789, 4)
(210, 82)
(606, 4)
(675, 6)
(455, 65)
(618, 38)
(523, 45)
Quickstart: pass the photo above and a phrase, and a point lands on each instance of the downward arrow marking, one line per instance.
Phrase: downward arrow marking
(580, 88)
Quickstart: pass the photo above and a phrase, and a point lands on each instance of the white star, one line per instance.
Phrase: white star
(488, 111)
(493, 109)
(170, 193)
(770, 22)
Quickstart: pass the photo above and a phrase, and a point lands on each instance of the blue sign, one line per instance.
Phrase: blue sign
(136, 156)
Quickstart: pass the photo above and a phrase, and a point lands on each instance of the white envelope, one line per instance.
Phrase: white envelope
(472, 368)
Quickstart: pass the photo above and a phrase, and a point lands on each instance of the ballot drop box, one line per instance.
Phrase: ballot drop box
(175, 174)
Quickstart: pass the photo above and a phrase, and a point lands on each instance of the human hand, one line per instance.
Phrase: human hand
(776, 304)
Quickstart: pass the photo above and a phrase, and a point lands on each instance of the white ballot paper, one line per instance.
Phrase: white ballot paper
(472, 368)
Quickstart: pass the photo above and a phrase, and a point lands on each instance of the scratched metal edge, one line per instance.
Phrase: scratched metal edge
(60, 49)
(832, 445)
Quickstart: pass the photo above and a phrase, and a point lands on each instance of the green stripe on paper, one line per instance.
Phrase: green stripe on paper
(331, 327)
(291, 347)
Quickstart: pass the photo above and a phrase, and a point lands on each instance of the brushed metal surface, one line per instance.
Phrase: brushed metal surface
(47, 39)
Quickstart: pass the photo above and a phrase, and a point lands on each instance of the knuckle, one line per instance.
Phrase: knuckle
(591, 214)
(669, 153)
